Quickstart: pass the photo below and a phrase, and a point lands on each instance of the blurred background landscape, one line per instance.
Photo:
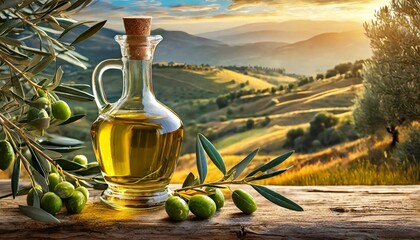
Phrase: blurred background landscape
(250, 74)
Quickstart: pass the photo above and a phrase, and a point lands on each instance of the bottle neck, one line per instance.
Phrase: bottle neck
(138, 79)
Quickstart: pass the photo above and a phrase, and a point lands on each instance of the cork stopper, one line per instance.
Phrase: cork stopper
(137, 25)
(137, 29)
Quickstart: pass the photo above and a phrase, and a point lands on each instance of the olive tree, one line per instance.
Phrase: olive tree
(392, 76)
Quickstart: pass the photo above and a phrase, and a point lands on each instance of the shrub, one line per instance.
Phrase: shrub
(302, 144)
(291, 135)
(331, 73)
(249, 123)
(410, 148)
(320, 122)
(222, 118)
(330, 137)
(316, 144)
(319, 76)
(222, 101)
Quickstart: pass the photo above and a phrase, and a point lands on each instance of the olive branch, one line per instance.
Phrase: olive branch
(193, 185)
(35, 36)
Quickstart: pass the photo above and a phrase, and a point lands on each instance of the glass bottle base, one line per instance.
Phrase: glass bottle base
(121, 198)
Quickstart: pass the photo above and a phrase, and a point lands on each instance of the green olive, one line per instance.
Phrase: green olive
(80, 159)
(76, 203)
(176, 208)
(53, 180)
(51, 203)
(31, 195)
(42, 103)
(38, 118)
(244, 201)
(64, 189)
(202, 206)
(7, 155)
(84, 191)
(61, 110)
(217, 196)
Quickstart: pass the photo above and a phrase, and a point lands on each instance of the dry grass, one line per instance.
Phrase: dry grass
(361, 162)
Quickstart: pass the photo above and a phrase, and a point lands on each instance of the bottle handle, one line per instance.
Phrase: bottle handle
(98, 88)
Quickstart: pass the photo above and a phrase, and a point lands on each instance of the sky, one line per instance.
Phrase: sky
(199, 16)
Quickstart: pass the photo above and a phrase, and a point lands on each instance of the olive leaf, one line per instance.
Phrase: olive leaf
(89, 32)
(74, 25)
(15, 177)
(41, 180)
(189, 180)
(73, 118)
(36, 201)
(78, 97)
(88, 171)
(269, 175)
(39, 163)
(73, 91)
(69, 165)
(53, 139)
(240, 167)
(61, 149)
(201, 161)
(212, 153)
(56, 79)
(277, 198)
(273, 163)
(38, 214)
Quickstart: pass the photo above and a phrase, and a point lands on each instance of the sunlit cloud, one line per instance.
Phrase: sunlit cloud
(194, 8)
(238, 4)
(196, 16)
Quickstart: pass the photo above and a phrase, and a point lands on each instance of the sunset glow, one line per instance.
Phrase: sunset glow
(197, 16)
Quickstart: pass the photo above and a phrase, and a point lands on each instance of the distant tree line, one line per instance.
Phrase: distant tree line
(257, 70)
(349, 70)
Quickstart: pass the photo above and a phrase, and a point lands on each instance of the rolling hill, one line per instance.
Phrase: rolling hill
(288, 31)
(308, 56)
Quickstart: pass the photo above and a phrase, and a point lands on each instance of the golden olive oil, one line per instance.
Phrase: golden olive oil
(135, 152)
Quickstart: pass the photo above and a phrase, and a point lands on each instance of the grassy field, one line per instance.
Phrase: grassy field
(346, 164)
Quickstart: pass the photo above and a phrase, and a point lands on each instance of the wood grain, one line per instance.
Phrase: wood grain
(339, 212)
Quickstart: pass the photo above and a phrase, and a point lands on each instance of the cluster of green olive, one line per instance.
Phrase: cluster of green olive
(52, 201)
(60, 192)
(205, 206)
(42, 108)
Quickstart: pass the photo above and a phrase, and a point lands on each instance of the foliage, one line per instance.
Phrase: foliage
(193, 185)
(250, 123)
(409, 149)
(331, 73)
(31, 42)
(343, 68)
(319, 76)
(325, 130)
(322, 121)
(330, 136)
(391, 82)
(291, 135)
(222, 101)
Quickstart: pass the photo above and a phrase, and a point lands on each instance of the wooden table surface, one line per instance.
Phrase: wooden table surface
(333, 212)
